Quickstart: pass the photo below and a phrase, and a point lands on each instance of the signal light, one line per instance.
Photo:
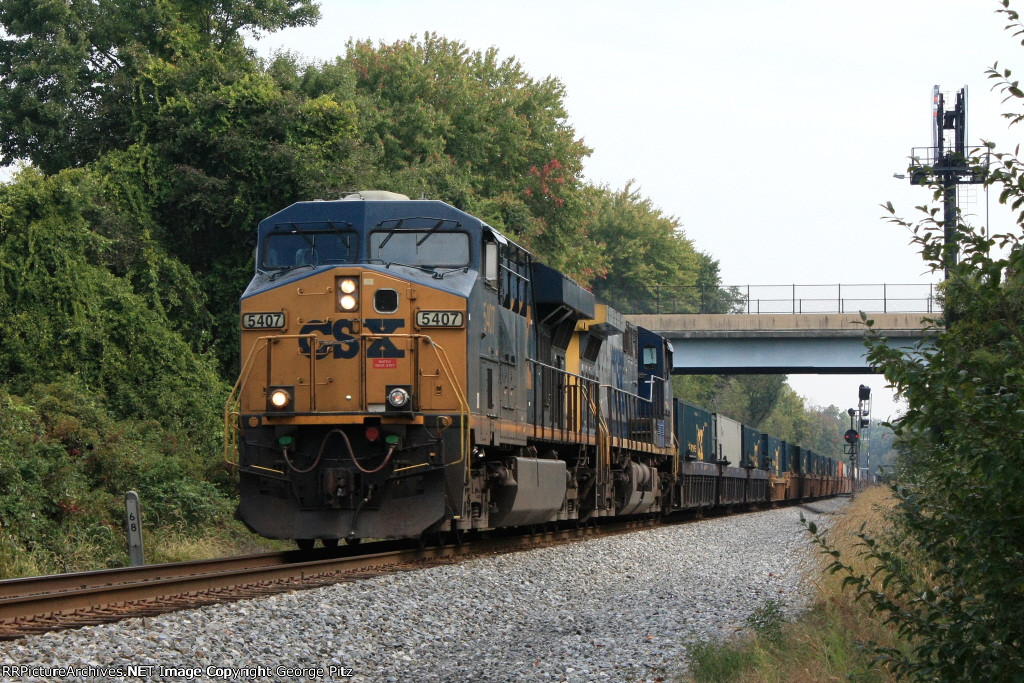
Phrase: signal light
(851, 436)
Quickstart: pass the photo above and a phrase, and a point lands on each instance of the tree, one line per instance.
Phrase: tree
(72, 72)
(651, 265)
(645, 250)
(64, 313)
(714, 298)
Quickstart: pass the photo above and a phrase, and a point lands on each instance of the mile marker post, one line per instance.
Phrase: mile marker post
(133, 526)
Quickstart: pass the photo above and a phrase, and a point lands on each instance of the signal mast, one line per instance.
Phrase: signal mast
(859, 420)
(947, 163)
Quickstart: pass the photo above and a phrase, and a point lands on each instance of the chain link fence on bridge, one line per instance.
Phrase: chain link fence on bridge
(754, 299)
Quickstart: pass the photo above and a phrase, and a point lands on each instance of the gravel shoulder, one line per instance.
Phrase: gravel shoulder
(612, 609)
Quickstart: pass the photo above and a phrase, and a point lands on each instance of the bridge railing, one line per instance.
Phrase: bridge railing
(754, 299)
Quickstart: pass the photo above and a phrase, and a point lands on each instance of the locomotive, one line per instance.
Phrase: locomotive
(406, 369)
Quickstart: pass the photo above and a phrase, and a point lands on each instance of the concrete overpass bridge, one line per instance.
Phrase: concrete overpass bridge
(783, 343)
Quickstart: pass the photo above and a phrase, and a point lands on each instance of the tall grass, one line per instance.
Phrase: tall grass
(820, 645)
(230, 540)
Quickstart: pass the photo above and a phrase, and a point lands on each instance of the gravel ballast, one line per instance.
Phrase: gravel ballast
(621, 608)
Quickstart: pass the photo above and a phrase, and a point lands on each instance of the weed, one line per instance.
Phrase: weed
(767, 620)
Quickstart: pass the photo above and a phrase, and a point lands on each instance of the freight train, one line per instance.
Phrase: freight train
(408, 369)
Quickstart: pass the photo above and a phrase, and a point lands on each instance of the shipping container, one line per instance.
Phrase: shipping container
(693, 429)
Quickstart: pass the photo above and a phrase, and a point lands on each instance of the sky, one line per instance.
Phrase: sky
(771, 129)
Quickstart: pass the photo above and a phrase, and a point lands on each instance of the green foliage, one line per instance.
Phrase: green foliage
(229, 146)
(712, 662)
(65, 464)
(767, 620)
(961, 472)
(476, 131)
(644, 247)
(713, 297)
(70, 70)
(64, 313)
(106, 395)
(647, 257)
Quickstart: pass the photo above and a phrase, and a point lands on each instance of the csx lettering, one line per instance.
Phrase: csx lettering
(309, 328)
(343, 343)
(384, 347)
(346, 345)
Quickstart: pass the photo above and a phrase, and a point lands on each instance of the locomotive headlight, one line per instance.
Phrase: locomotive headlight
(398, 397)
(279, 398)
(347, 293)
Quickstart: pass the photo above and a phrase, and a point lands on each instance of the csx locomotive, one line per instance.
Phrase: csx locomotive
(406, 368)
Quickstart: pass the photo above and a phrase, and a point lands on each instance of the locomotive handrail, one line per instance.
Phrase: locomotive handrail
(631, 402)
(230, 436)
(604, 445)
(574, 385)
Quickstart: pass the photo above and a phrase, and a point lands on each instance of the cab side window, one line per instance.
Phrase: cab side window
(491, 263)
(513, 278)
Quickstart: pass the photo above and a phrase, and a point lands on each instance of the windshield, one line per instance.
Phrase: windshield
(302, 248)
(420, 248)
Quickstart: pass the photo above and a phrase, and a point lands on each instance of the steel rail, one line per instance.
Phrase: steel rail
(36, 604)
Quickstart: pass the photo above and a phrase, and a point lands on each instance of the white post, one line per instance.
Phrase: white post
(133, 526)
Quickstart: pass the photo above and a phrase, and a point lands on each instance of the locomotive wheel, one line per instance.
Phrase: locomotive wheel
(305, 544)
(351, 541)
(329, 542)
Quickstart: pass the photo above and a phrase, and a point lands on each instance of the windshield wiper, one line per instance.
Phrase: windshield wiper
(295, 231)
(430, 232)
(441, 273)
(429, 269)
(343, 238)
(288, 269)
(390, 235)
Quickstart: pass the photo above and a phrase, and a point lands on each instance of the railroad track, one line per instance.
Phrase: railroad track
(45, 603)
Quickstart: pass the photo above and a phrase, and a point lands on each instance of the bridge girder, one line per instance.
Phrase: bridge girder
(783, 344)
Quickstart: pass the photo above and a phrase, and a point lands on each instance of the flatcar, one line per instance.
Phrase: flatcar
(407, 369)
